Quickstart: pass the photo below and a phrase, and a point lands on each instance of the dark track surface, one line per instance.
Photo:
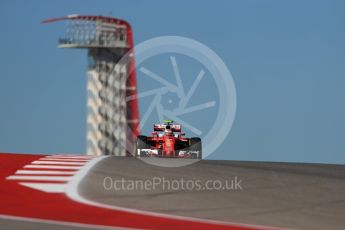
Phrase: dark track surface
(302, 196)
(28, 225)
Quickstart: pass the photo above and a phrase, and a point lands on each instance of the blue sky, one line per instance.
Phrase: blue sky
(287, 59)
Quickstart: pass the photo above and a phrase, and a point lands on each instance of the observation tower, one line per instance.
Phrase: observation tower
(112, 121)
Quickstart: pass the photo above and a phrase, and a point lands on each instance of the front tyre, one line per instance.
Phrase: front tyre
(141, 143)
(196, 147)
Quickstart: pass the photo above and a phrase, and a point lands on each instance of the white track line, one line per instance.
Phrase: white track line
(44, 172)
(80, 158)
(70, 157)
(40, 178)
(52, 167)
(46, 187)
(60, 159)
(57, 163)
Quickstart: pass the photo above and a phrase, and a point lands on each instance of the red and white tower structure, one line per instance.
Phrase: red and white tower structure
(112, 121)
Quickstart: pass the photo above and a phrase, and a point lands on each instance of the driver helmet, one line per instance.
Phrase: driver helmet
(168, 132)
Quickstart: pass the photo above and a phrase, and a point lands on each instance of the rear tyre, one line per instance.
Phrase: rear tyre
(195, 145)
(141, 144)
(159, 153)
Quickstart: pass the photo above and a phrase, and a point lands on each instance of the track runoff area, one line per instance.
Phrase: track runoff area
(67, 192)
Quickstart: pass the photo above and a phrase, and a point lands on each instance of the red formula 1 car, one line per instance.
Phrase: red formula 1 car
(167, 140)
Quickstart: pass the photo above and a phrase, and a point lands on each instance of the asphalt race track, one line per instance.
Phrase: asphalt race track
(301, 196)
(279, 195)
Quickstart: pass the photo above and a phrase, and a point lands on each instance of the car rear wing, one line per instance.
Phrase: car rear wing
(176, 128)
(161, 127)
(158, 127)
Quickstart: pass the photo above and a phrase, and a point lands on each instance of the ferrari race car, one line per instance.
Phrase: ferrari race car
(167, 140)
